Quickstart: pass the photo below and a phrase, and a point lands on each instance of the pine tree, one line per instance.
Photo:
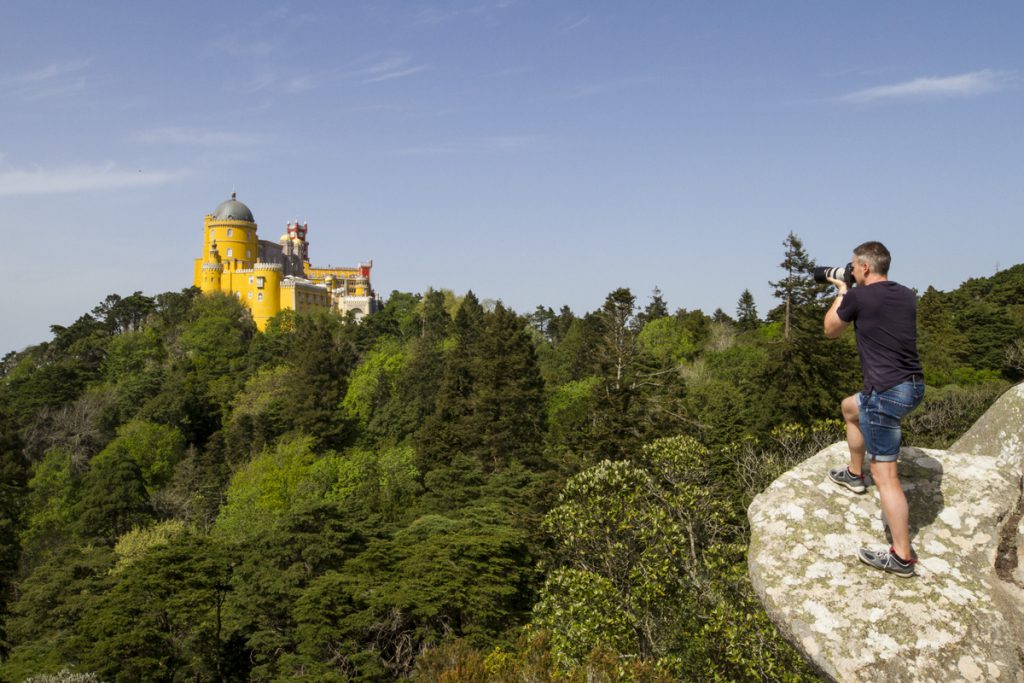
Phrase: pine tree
(797, 288)
(113, 500)
(657, 308)
(746, 311)
(446, 431)
(436, 320)
(508, 403)
(616, 427)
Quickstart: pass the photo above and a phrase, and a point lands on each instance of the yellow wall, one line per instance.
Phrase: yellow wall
(236, 242)
(266, 301)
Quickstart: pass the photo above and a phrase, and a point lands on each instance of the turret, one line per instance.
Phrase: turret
(267, 301)
(211, 271)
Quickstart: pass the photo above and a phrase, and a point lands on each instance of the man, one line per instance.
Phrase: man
(884, 316)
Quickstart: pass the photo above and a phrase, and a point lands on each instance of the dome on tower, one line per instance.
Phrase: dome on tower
(233, 210)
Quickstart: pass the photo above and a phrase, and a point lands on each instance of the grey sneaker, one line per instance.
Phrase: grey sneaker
(843, 477)
(887, 561)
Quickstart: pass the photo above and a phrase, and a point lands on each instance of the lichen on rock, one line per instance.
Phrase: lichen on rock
(957, 619)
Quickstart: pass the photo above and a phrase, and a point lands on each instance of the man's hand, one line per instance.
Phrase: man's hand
(840, 285)
(834, 325)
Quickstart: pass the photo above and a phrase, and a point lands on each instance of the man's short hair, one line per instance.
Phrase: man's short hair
(875, 255)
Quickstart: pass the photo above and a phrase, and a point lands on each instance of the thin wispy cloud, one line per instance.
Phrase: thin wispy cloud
(575, 24)
(174, 135)
(261, 35)
(242, 48)
(605, 87)
(390, 69)
(481, 145)
(46, 73)
(433, 15)
(56, 78)
(281, 82)
(971, 84)
(15, 182)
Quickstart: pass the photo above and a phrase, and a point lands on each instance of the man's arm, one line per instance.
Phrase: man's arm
(834, 325)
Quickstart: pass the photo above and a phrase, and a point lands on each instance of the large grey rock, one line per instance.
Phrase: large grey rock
(999, 432)
(957, 620)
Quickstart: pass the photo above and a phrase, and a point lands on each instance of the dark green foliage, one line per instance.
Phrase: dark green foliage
(113, 498)
(164, 619)
(274, 571)
(946, 413)
(656, 308)
(43, 623)
(13, 485)
(508, 402)
(746, 311)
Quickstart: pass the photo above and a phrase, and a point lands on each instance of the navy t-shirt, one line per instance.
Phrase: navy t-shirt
(884, 316)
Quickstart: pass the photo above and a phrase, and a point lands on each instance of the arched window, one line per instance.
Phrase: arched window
(230, 231)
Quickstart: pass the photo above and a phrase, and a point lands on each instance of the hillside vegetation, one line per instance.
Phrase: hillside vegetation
(447, 490)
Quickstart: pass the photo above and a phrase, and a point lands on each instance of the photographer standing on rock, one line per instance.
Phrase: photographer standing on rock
(884, 317)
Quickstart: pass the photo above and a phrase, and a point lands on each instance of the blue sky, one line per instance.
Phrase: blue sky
(536, 152)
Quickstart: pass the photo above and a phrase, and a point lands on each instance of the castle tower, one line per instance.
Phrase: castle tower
(233, 228)
(210, 271)
(267, 302)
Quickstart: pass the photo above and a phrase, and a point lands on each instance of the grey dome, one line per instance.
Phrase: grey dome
(233, 210)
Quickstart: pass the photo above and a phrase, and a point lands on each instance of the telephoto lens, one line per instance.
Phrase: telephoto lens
(823, 273)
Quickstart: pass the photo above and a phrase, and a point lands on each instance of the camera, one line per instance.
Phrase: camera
(845, 274)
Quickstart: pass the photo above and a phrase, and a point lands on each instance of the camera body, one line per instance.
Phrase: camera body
(845, 274)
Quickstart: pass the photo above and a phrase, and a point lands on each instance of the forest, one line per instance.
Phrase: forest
(447, 490)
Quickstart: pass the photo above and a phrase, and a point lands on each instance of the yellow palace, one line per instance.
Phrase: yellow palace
(271, 276)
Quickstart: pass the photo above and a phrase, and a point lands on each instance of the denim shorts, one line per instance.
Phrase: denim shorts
(880, 415)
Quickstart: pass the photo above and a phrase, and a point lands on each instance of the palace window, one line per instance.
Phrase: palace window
(259, 296)
(230, 231)
(260, 281)
(250, 295)
(250, 279)
(213, 234)
(230, 253)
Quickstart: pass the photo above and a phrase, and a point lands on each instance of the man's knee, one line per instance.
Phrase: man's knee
(851, 408)
(884, 473)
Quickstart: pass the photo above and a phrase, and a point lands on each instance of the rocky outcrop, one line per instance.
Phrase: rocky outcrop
(959, 619)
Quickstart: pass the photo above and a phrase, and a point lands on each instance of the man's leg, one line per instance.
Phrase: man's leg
(854, 437)
(894, 505)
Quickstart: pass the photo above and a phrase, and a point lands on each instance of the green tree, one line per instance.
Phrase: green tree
(155, 448)
(50, 605)
(656, 308)
(508, 400)
(49, 505)
(746, 312)
(164, 619)
(651, 569)
(113, 498)
(266, 488)
(797, 288)
(273, 570)
(449, 429)
(943, 347)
